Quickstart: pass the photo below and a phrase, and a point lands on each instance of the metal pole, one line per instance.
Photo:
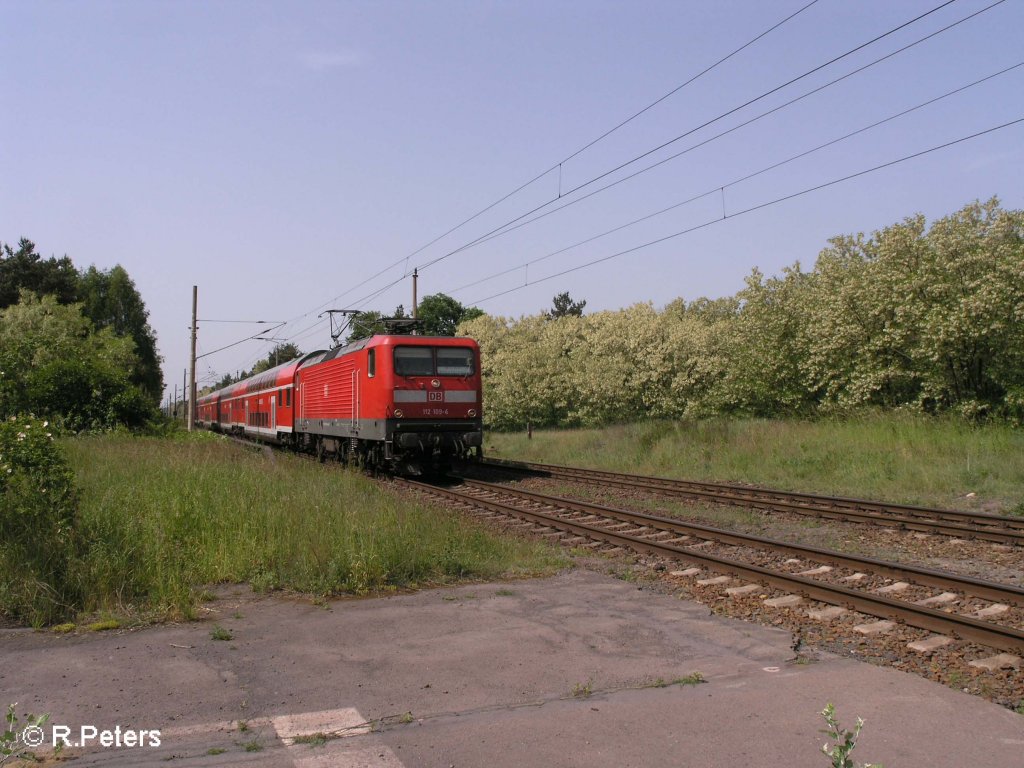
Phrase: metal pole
(192, 364)
(415, 277)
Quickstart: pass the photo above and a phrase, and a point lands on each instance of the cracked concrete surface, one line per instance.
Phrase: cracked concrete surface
(485, 675)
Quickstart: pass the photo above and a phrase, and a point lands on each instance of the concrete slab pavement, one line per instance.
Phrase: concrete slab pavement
(545, 672)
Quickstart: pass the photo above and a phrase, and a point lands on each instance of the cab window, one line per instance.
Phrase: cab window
(371, 363)
(454, 361)
(434, 361)
(414, 361)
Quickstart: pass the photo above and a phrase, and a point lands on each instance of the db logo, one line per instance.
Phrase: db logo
(435, 397)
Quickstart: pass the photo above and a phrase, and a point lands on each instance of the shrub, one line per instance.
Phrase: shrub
(37, 523)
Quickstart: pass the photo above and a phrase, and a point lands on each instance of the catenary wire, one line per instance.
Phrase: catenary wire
(635, 159)
(304, 332)
(609, 132)
(734, 182)
(512, 224)
(240, 341)
(751, 209)
(554, 167)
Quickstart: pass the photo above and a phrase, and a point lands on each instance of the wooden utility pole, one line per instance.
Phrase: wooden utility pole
(192, 365)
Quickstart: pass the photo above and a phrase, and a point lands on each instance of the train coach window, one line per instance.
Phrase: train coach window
(414, 361)
(371, 363)
(454, 361)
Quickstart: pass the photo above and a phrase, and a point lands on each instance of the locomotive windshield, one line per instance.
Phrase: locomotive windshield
(434, 361)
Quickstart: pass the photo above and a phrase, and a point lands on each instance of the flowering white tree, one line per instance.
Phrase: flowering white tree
(927, 318)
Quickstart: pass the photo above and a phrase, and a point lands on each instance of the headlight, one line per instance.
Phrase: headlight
(471, 412)
(398, 413)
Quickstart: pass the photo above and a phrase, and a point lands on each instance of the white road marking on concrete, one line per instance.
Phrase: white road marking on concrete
(349, 755)
(338, 723)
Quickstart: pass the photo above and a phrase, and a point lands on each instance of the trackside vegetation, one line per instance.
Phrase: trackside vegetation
(159, 519)
(38, 542)
(76, 346)
(902, 457)
(928, 319)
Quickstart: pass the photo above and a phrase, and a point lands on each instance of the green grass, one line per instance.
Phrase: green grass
(162, 518)
(694, 678)
(317, 739)
(894, 457)
(103, 625)
(583, 690)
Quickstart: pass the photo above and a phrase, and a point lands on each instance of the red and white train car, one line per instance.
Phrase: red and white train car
(404, 403)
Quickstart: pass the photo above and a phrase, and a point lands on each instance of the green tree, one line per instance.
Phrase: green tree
(282, 353)
(562, 305)
(54, 363)
(765, 346)
(923, 317)
(362, 325)
(111, 300)
(24, 269)
(440, 315)
(912, 316)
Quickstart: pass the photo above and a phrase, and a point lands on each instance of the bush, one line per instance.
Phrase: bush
(37, 523)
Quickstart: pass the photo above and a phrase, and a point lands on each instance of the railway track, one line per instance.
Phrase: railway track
(862, 584)
(968, 525)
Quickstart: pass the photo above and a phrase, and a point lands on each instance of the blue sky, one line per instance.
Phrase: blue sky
(278, 154)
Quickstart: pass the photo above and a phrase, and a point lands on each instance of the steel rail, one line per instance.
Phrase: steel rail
(987, 590)
(979, 525)
(964, 627)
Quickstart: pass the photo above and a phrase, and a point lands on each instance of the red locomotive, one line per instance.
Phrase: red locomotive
(408, 404)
